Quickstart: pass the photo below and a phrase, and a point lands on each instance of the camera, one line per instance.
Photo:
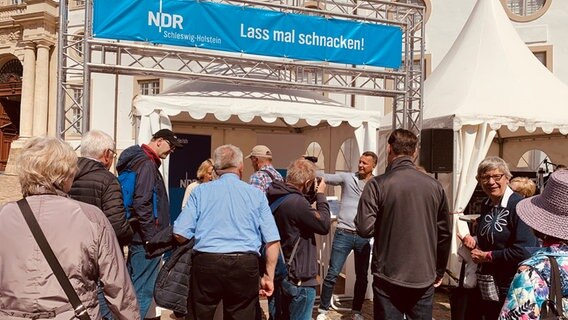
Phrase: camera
(317, 182)
(311, 158)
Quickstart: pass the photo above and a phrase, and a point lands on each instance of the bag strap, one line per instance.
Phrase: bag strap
(462, 275)
(554, 302)
(273, 207)
(78, 307)
(289, 263)
(268, 173)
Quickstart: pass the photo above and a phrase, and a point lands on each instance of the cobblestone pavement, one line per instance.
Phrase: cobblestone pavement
(9, 188)
(441, 309)
(10, 191)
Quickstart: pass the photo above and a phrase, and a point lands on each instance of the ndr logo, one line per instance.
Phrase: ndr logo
(165, 20)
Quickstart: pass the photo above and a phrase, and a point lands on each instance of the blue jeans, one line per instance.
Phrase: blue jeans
(143, 273)
(275, 301)
(343, 243)
(103, 305)
(392, 302)
(297, 302)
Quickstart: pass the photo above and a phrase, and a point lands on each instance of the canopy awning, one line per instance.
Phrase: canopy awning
(199, 98)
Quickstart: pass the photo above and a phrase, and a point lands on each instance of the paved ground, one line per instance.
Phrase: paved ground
(9, 188)
(10, 191)
(441, 309)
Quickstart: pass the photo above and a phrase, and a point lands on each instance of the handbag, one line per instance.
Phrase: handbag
(552, 308)
(487, 287)
(289, 287)
(78, 307)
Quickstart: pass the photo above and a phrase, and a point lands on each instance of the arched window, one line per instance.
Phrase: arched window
(314, 150)
(11, 71)
(525, 10)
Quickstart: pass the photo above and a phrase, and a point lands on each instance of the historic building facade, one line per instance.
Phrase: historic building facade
(27, 70)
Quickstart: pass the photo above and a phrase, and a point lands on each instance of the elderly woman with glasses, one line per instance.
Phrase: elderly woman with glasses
(501, 236)
(79, 234)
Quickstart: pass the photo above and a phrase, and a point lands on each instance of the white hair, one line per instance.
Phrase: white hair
(94, 143)
(227, 156)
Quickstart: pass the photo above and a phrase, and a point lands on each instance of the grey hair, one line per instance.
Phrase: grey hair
(95, 142)
(493, 163)
(44, 164)
(300, 171)
(227, 156)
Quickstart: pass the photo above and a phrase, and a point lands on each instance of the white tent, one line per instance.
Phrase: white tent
(489, 84)
(297, 108)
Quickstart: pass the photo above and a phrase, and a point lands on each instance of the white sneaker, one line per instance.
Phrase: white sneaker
(357, 316)
(321, 316)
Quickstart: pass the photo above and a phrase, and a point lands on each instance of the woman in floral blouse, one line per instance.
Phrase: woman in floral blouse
(547, 214)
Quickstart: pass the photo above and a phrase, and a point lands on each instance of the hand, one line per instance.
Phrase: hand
(266, 286)
(469, 242)
(438, 282)
(322, 186)
(479, 256)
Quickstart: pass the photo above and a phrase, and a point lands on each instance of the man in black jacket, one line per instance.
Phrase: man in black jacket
(151, 209)
(298, 221)
(407, 213)
(96, 185)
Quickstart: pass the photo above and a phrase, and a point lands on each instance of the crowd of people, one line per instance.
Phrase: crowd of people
(234, 241)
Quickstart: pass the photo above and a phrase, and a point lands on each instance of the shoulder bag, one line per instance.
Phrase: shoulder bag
(78, 307)
(552, 308)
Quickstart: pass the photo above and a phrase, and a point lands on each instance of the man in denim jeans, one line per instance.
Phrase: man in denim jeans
(297, 223)
(346, 239)
(151, 213)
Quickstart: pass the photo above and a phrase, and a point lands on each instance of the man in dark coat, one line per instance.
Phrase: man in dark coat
(151, 209)
(96, 185)
(407, 213)
(298, 223)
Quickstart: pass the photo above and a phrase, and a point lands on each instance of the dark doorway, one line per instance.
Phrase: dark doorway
(10, 96)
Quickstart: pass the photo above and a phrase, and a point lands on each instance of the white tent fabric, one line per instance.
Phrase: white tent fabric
(489, 79)
(199, 98)
(294, 107)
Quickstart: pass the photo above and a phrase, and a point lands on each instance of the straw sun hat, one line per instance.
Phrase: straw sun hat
(548, 212)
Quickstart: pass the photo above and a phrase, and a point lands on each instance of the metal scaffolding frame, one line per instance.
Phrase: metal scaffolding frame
(80, 57)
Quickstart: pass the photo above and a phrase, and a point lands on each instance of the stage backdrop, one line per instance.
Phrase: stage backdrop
(183, 167)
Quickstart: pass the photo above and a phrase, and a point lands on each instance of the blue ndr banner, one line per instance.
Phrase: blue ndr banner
(232, 28)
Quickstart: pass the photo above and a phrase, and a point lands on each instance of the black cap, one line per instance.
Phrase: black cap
(167, 134)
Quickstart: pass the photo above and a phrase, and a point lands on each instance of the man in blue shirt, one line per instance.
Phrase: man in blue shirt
(229, 220)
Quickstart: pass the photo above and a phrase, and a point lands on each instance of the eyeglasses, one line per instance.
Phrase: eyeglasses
(172, 147)
(495, 177)
(113, 153)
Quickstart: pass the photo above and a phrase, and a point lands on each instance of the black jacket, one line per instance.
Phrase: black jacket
(504, 234)
(172, 287)
(95, 185)
(148, 177)
(295, 218)
(407, 213)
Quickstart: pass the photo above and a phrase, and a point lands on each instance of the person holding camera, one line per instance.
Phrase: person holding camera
(297, 223)
(346, 239)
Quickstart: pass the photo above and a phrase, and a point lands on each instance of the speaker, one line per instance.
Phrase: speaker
(437, 150)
